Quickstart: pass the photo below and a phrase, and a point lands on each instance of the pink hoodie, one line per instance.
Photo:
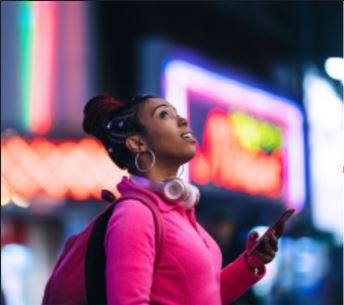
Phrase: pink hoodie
(188, 271)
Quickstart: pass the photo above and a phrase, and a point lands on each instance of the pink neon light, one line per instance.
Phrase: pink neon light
(44, 37)
(73, 75)
(181, 77)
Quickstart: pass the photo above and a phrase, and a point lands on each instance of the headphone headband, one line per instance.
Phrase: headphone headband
(172, 189)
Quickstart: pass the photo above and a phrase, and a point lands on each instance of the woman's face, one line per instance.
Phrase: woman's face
(168, 135)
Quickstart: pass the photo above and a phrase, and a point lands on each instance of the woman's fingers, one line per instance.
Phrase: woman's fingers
(266, 258)
(273, 241)
(268, 252)
(279, 230)
(268, 249)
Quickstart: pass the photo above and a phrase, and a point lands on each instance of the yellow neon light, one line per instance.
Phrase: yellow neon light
(255, 134)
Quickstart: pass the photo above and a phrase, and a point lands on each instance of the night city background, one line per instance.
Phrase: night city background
(261, 83)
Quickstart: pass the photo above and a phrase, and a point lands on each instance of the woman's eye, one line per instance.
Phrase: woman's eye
(163, 114)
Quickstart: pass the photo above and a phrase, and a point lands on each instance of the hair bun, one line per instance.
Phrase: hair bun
(96, 111)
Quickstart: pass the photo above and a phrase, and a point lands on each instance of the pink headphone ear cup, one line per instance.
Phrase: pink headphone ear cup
(174, 189)
(192, 198)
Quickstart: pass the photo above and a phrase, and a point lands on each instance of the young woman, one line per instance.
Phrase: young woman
(148, 138)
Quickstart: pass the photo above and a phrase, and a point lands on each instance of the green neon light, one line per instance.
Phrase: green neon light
(26, 44)
(256, 134)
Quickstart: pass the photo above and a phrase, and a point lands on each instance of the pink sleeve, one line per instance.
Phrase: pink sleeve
(130, 252)
(236, 278)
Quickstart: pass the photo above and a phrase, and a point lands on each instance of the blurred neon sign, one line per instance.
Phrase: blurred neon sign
(251, 140)
(56, 169)
(254, 134)
(52, 61)
(235, 161)
(38, 42)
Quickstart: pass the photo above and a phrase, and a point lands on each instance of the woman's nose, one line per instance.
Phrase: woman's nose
(182, 121)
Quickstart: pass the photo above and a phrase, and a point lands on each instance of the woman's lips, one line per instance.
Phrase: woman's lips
(187, 136)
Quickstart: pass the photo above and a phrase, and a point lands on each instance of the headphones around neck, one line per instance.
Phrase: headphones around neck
(172, 189)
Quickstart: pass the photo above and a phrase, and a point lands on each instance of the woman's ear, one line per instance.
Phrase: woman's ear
(136, 144)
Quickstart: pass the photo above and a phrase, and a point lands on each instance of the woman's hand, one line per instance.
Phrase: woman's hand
(265, 254)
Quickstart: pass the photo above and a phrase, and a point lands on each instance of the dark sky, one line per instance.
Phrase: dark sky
(257, 37)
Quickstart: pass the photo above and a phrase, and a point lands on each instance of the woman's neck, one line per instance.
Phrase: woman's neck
(159, 175)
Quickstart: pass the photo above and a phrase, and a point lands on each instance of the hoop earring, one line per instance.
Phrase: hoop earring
(182, 171)
(144, 170)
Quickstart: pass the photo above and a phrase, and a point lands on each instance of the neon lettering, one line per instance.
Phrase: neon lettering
(224, 161)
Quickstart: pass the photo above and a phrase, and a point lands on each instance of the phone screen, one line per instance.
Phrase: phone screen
(282, 219)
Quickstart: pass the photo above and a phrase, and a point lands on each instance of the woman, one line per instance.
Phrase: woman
(148, 137)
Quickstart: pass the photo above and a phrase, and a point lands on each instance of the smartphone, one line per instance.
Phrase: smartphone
(282, 219)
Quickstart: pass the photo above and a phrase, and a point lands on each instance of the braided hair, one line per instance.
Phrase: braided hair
(111, 122)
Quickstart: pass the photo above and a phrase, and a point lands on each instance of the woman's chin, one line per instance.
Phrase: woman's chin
(189, 156)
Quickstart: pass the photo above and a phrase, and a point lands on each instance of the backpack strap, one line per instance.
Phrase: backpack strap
(95, 260)
(159, 226)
